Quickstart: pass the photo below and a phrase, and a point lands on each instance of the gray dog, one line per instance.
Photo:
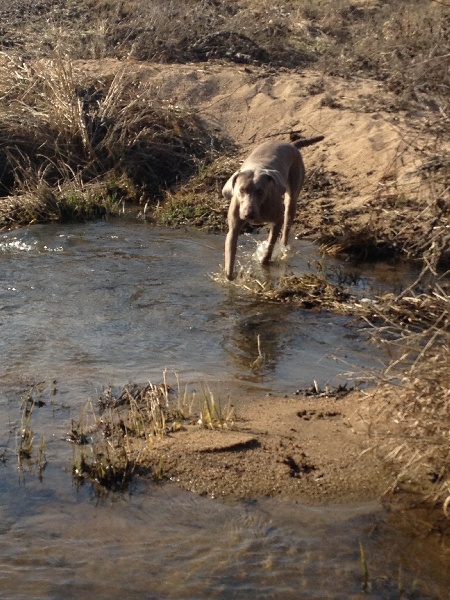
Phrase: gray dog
(265, 190)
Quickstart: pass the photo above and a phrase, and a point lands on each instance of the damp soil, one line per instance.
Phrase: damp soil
(314, 450)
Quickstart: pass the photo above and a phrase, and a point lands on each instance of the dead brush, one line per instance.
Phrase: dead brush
(363, 244)
(405, 44)
(58, 128)
(415, 327)
(312, 290)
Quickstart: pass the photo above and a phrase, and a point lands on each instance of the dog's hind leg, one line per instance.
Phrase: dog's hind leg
(296, 178)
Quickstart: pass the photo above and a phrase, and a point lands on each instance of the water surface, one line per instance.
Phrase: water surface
(107, 303)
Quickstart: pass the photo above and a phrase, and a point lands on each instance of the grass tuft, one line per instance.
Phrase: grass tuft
(118, 439)
(213, 415)
(199, 202)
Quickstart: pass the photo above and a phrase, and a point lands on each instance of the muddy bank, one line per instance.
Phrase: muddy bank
(316, 450)
(319, 447)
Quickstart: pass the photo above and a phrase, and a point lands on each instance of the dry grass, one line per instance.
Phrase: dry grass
(114, 440)
(73, 148)
(403, 44)
(415, 328)
(118, 439)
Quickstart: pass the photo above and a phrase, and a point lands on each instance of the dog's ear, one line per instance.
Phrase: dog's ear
(276, 180)
(228, 188)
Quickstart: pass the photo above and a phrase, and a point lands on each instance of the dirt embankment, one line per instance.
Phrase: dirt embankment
(371, 171)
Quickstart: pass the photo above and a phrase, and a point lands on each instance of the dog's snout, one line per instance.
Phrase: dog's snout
(248, 213)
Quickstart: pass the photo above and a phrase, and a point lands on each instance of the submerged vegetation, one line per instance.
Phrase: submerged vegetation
(28, 455)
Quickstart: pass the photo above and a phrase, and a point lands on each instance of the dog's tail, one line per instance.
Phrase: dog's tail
(310, 142)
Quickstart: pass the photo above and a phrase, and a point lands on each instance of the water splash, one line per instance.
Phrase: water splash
(249, 270)
(16, 245)
(280, 252)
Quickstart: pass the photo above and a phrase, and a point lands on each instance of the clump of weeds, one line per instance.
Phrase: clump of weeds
(213, 415)
(119, 437)
(25, 436)
(198, 202)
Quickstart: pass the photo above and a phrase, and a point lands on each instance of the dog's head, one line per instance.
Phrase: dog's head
(251, 189)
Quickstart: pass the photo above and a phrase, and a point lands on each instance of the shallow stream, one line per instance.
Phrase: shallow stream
(108, 303)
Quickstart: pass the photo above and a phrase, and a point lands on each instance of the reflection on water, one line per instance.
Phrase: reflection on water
(82, 307)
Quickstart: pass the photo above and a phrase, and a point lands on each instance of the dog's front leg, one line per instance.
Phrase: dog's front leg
(273, 236)
(234, 229)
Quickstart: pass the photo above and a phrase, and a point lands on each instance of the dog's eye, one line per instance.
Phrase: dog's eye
(242, 191)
